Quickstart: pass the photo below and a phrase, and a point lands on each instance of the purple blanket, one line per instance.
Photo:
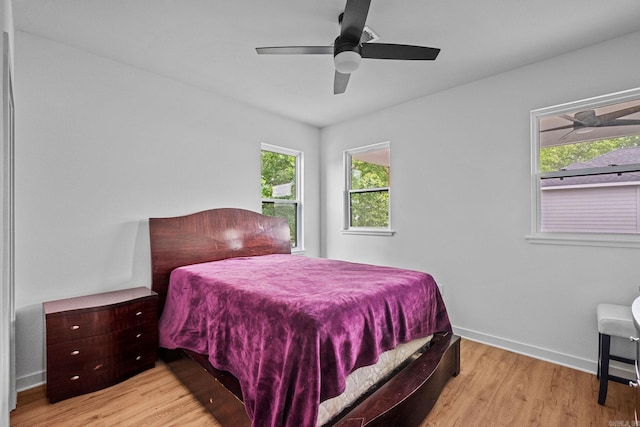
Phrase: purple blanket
(292, 328)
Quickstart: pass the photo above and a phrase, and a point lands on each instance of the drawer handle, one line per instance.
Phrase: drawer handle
(139, 358)
(75, 352)
(75, 378)
(138, 335)
(74, 327)
(139, 313)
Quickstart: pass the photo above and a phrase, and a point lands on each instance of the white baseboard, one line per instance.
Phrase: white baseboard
(585, 365)
(30, 381)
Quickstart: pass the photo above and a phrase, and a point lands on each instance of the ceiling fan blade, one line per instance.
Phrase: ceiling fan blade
(572, 119)
(295, 50)
(623, 122)
(398, 51)
(566, 135)
(353, 19)
(340, 83)
(620, 113)
(558, 128)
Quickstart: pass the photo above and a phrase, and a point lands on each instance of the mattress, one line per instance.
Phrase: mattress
(363, 379)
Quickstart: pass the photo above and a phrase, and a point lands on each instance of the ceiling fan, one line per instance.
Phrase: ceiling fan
(350, 46)
(587, 120)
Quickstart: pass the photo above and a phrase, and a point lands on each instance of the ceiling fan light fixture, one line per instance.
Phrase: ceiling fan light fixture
(585, 129)
(347, 61)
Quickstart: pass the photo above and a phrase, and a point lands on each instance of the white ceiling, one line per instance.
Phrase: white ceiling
(210, 44)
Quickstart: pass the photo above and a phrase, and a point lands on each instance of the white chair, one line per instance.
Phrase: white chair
(613, 321)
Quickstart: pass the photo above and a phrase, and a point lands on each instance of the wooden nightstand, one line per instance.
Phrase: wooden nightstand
(98, 340)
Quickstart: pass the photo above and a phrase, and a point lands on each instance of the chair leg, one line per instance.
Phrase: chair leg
(603, 364)
(599, 355)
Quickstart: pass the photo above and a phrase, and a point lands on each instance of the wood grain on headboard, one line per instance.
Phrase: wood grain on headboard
(211, 236)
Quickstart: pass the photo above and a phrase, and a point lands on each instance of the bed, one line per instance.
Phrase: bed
(225, 263)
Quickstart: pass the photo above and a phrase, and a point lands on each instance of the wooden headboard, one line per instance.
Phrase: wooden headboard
(211, 236)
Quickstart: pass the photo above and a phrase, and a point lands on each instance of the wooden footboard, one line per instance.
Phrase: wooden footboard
(403, 401)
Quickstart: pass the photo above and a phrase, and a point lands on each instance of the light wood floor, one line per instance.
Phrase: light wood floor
(495, 388)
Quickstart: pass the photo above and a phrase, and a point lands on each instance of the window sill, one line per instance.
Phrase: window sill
(369, 232)
(605, 240)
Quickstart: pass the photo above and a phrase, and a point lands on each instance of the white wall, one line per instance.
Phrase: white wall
(461, 206)
(102, 147)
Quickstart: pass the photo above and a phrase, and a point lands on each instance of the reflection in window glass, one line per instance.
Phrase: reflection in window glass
(368, 183)
(588, 166)
(280, 177)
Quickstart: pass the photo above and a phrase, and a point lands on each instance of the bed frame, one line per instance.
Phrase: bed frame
(404, 399)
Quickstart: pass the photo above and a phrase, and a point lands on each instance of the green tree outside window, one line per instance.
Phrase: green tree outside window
(279, 187)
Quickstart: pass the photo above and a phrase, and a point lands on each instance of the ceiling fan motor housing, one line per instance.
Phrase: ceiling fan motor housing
(346, 55)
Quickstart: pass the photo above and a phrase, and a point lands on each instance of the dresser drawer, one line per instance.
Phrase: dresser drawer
(97, 321)
(73, 352)
(63, 384)
(125, 362)
(95, 375)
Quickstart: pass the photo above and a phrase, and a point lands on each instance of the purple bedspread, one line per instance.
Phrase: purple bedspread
(292, 328)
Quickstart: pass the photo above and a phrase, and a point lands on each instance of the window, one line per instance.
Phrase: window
(281, 184)
(586, 169)
(368, 179)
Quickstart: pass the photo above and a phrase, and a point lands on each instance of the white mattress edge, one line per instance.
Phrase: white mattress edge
(362, 379)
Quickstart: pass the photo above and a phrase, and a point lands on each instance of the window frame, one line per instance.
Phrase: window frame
(574, 238)
(298, 201)
(347, 227)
